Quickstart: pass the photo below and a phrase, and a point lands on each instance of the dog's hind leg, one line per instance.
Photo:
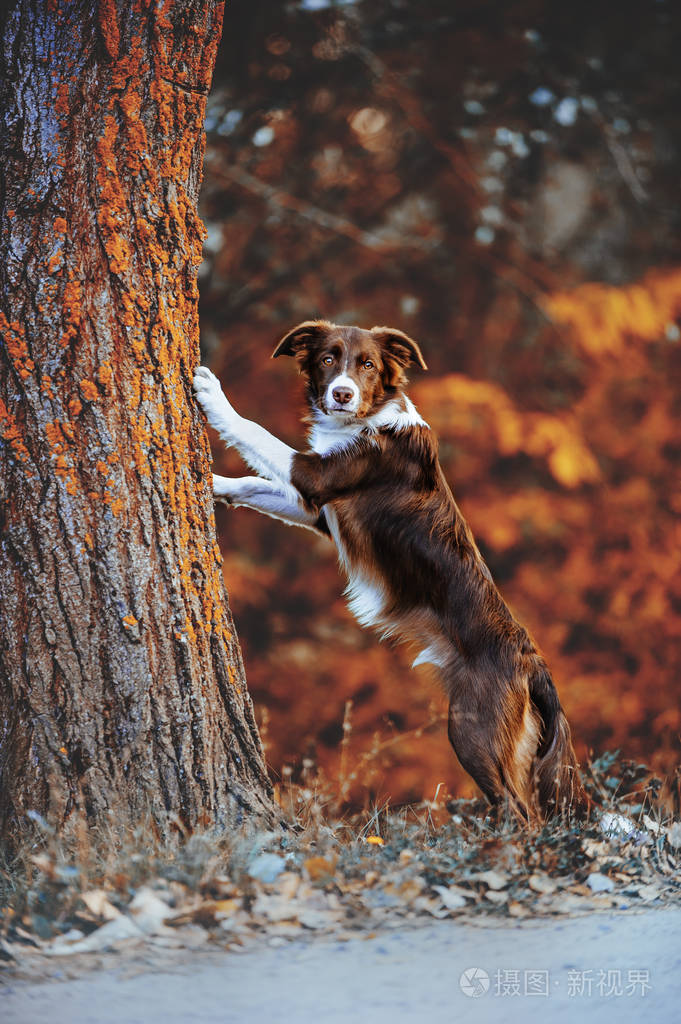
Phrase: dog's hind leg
(474, 751)
(497, 750)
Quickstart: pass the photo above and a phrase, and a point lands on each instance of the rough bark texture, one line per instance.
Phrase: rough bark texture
(121, 683)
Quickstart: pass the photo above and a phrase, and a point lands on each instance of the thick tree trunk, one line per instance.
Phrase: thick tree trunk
(122, 689)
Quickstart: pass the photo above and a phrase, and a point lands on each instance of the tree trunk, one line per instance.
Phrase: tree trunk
(122, 690)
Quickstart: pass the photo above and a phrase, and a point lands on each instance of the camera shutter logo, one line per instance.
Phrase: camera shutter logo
(474, 982)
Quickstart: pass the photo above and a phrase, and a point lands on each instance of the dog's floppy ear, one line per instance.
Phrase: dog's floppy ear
(301, 337)
(399, 351)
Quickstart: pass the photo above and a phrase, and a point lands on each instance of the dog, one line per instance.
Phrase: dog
(372, 481)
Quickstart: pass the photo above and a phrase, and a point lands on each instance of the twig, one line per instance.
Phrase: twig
(276, 196)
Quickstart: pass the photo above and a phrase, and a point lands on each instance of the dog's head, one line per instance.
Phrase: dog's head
(350, 372)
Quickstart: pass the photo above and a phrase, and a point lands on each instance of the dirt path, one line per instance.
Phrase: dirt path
(403, 975)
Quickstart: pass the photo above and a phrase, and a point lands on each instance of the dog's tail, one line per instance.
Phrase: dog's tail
(557, 784)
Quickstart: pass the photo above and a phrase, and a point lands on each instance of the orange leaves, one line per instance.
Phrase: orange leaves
(467, 407)
(577, 509)
(605, 319)
(569, 459)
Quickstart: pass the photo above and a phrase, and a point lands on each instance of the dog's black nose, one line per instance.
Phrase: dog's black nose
(342, 395)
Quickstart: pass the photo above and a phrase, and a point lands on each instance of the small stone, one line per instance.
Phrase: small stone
(492, 879)
(266, 867)
(600, 883)
(450, 898)
(542, 884)
(674, 835)
(497, 897)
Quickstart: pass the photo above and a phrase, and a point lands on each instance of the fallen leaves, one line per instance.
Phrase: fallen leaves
(542, 884)
(495, 880)
(332, 879)
(320, 869)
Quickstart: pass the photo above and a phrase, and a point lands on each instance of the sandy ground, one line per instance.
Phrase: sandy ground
(405, 974)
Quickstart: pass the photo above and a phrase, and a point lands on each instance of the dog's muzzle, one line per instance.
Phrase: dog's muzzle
(342, 397)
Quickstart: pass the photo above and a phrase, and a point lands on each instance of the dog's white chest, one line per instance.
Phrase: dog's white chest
(365, 595)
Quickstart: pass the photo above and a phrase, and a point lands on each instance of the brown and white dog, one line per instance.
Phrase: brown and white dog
(371, 480)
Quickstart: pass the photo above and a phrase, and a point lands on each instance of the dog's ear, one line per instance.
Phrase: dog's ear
(399, 351)
(301, 338)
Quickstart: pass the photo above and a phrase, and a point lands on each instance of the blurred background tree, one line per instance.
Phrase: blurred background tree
(500, 180)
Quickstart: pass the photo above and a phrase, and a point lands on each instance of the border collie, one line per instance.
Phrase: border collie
(372, 481)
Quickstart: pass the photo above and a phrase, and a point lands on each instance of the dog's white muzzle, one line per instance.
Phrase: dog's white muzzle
(342, 397)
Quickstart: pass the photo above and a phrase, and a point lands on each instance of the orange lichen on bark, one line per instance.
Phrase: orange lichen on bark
(140, 434)
(89, 390)
(112, 213)
(54, 435)
(114, 501)
(10, 433)
(71, 311)
(137, 143)
(156, 292)
(105, 374)
(58, 440)
(54, 263)
(61, 106)
(107, 18)
(15, 341)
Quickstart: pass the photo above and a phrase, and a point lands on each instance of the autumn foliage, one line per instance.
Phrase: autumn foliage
(504, 189)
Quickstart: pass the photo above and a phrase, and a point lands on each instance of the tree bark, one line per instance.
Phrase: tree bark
(122, 689)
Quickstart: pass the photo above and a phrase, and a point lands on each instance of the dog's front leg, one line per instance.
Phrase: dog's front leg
(270, 497)
(261, 450)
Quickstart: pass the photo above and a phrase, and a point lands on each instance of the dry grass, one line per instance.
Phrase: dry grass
(339, 869)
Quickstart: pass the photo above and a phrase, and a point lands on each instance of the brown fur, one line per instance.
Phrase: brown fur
(401, 533)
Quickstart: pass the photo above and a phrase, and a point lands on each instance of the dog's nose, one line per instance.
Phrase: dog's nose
(342, 395)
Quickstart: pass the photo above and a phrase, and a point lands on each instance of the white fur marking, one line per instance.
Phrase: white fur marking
(332, 523)
(342, 381)
(395, 418)
(365, 597)
(329, 435)
(430, 656)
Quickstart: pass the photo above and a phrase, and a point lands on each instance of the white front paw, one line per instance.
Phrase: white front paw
(223, 488)
(211, 398)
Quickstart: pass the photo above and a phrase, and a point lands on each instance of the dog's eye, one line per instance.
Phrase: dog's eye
(327, 360)
(368, 365)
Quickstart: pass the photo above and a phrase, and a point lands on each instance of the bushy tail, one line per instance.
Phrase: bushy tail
(557, 783)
